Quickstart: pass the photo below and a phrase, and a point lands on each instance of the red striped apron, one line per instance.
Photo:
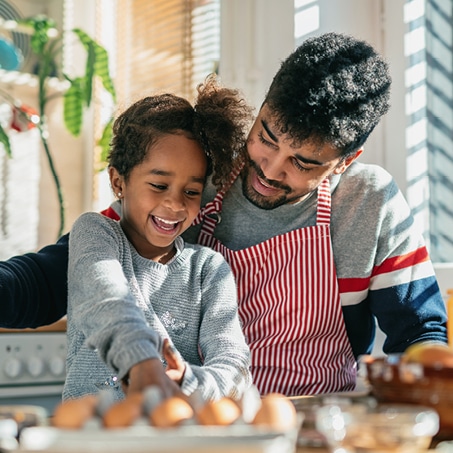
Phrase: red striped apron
(289, 305)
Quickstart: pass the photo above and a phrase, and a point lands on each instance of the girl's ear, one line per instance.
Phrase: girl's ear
(116, 182)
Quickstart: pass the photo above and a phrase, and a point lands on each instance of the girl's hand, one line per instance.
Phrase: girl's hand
(147, 373)
(175, 365)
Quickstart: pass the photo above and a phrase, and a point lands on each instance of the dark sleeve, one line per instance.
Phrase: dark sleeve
(33, 287)
(360, 327)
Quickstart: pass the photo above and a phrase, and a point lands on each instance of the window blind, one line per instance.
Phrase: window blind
(154, 46)
(165, 45)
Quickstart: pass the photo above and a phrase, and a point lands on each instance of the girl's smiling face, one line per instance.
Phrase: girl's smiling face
(162, 195)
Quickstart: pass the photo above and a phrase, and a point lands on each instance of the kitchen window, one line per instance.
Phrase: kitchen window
(429, 84)
(416, 141)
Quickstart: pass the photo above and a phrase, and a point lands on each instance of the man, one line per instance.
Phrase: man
(320, 244)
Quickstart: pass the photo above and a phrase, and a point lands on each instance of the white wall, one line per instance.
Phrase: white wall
(258, 34)
(255, 36)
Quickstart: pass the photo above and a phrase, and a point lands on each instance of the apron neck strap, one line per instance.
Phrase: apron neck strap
(215, 206)
(324, 203)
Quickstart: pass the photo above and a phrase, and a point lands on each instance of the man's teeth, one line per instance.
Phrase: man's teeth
(265, 184)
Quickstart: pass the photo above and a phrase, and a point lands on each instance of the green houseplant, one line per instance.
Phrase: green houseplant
(46, 45)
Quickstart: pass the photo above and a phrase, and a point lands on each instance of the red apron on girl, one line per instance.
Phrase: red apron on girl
(289, 305)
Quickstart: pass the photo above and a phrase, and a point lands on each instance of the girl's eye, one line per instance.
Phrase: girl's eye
(158, 186)
(193, 193)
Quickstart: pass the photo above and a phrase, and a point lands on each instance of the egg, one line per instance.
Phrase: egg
(171, 412)
(276, 412)
(125, 412)
(224, 411)
(74, 413)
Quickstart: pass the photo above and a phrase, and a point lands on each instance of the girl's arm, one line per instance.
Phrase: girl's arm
(225, 371)
(103, 311)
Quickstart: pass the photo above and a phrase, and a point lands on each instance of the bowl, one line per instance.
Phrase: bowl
(394, 381)
(308, 405)
(362, 428)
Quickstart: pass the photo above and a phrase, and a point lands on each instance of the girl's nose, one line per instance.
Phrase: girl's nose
(175, 202)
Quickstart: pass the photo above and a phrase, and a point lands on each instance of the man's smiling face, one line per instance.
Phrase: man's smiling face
(278, 172)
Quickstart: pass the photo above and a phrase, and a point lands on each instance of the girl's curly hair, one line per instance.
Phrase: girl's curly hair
(219, 120)
(332, 89)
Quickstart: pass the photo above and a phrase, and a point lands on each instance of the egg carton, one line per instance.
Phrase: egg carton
(145, 438)
(147, 422)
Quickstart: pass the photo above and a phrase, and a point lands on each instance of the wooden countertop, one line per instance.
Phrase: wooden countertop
(311, 450)
(59, 326)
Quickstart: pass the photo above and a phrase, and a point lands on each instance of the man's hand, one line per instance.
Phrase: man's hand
(175, 365)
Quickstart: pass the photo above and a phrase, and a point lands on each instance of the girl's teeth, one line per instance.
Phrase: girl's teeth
(168, 222)
(168, 225)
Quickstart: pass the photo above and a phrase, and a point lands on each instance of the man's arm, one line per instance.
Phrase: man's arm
(33, 287)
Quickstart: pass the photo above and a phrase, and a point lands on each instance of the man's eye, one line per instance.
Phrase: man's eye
(263, 139)
(300, 167)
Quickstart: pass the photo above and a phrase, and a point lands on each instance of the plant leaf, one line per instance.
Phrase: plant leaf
(73, 106)
(89, 74)
(41, 24)
(104, 143)
(4, 140)
(101, 60)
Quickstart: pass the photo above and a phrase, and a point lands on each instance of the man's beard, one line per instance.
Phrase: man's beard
(257, 199)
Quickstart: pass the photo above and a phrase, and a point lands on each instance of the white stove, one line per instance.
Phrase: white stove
(32, 367)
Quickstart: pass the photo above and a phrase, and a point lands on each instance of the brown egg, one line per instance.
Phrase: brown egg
(125, 412)
(429, 354)
(171, 412)
(276, 412)
(73, 414)
(224, 411)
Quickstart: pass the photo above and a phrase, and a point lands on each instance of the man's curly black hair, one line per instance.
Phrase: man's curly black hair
(219, 120)
(333, 89)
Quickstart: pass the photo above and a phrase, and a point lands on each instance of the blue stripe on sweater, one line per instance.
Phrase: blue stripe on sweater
(407, 313)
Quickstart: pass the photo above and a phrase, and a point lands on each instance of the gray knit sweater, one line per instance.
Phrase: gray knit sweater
(121, 306)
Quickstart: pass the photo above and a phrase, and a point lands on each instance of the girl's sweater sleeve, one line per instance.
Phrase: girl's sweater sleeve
(101, 305)
(226, 356)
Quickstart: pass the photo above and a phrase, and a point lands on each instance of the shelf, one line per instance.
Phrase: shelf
(29, 82)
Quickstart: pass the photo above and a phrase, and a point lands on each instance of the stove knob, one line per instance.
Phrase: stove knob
(13, 367)
(57, 366)
(35, 366)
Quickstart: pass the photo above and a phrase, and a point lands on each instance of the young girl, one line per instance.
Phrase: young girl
(134, 284)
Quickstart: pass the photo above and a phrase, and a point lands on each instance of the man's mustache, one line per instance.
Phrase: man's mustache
(275, 184)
